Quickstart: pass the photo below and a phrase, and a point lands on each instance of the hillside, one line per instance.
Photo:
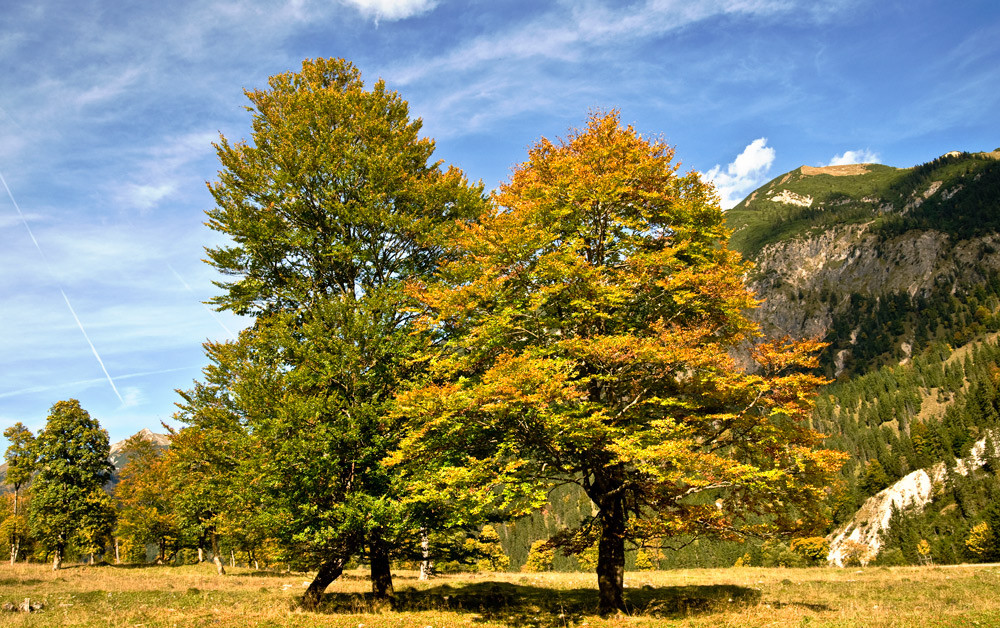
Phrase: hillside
(880, 262)
(899, 271)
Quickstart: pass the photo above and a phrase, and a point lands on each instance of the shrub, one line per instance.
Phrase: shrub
(813, 549)
(540, 557)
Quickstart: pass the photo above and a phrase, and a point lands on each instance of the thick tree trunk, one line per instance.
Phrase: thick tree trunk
(201, 554)
(57, 559)
(328, 572)
(611, 557)
(215, 555)
(381, 567)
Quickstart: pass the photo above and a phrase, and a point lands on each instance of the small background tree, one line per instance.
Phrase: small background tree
(540, 557)
(21, 458)
(72, 466)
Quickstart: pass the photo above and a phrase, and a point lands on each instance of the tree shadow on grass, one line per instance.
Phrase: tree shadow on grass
(522, 605)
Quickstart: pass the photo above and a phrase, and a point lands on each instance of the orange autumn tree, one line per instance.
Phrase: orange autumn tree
(592, 329)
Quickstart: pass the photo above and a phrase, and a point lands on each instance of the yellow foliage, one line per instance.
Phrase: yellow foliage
(980, 541)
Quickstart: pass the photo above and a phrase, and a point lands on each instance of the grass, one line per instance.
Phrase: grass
(193, 595)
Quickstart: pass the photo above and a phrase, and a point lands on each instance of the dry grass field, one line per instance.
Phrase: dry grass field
(194, 596)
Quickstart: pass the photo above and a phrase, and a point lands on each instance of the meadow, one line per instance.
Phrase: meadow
(150, 596)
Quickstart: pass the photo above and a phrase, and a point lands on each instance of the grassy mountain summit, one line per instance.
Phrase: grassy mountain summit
(809, 200)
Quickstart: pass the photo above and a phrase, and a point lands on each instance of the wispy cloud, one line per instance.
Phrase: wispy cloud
(555, 58)
(163, 170)
(743, 174)
(861, 156)
(391, 9)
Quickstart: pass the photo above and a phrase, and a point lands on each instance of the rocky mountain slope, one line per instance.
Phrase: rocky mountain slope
(854, 254)
(899, 270)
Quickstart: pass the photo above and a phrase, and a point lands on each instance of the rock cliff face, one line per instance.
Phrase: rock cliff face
(820, 237)
(792, 275)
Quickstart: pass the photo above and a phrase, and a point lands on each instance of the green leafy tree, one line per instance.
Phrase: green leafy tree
(97, 523)
(330, 209)
(589, 324)
(201, 468)
(20, 457)
(73, 463)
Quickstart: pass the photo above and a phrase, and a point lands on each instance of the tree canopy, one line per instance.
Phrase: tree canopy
(592, 329)
(21, 458)
(68, 501)
(330, 209)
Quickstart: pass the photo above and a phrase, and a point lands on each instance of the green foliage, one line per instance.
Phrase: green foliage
(331, 208)
(73, 466)
(144, 499)
(775, 553)
(488, 550)
(21, 463)
(20, 455)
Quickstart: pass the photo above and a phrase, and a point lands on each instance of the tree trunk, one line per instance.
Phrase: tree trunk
(381, 567)
(232, 558)
(15, 541)
(328, 572)
(57, 559)
(201, 554)
(426, 566)
(215, 555)
(118, 556)
(611, 556)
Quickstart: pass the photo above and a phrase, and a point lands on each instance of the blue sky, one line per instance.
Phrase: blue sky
(108, 111)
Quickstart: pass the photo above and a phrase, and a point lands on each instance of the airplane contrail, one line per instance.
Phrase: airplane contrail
(207, 309)
(43, 388)
(97, 355)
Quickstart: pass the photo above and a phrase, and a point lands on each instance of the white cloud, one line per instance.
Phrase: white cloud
(133, 396)
(863, 156)
(392, 9)
(163, 170)
(146, 196)
(743, 174)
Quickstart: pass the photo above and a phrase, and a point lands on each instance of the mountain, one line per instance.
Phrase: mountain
(878, 261)
(898, 269)
(119, 458)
